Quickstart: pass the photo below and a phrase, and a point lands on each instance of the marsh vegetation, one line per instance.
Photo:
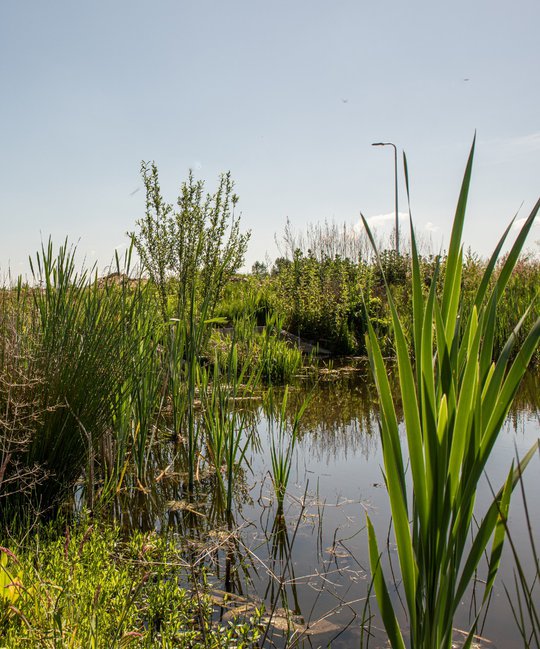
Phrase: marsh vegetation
(179, 466)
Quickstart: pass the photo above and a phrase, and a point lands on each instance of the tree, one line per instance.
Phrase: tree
(259, 270)
(197, 243)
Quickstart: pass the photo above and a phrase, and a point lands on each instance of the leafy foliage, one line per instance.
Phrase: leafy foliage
(197, 244)
(91, 588)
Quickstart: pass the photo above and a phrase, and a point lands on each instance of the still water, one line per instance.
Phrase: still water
(309, 564)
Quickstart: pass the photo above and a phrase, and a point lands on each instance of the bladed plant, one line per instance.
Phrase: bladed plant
(282, 445)
(225, 418)
(81, 345)
(523, 601)
(455, 393)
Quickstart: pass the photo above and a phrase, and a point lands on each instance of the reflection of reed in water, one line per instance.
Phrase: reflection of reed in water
(340, 418)
(526, 403)
(281, 574)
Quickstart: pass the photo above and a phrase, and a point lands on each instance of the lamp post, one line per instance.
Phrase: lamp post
(395, 187)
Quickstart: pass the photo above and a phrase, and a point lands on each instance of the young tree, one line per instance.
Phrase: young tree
(195, 246)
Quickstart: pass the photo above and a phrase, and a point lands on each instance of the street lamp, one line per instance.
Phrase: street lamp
(395, 186)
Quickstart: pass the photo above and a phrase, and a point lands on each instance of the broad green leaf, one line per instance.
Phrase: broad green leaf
(509, 388)
(465, 406)
(500, 532)
(412, 416)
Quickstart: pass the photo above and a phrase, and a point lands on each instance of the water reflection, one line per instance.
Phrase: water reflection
(307, 562)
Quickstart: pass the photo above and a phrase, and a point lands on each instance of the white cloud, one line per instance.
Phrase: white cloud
(530, 142)
(383, 220)
(519, 223)
(431, 227)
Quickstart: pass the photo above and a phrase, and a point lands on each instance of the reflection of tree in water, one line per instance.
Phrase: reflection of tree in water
(526, 405)
(341, 416)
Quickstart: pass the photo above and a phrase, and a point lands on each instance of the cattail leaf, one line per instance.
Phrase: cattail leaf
(453, 262)
(381, 591)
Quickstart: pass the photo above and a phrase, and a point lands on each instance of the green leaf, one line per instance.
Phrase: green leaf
(381, 591)
(453, 262)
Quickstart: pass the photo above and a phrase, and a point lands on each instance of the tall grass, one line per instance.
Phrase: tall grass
(81, 345)
(80, 376)
(266, 348)
(279, 360)
(455, 397)
(187, 344)
(227, 436)
(282, 445)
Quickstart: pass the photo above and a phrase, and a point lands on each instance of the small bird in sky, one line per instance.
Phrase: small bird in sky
(467, 79)
(345, 101)
(134, 191)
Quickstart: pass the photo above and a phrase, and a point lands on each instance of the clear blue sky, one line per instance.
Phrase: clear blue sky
(287, 95)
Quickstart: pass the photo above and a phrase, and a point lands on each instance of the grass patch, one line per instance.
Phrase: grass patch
(90, 588)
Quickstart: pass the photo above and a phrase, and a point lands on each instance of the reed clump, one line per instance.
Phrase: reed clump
(456, 390)
(75, 343)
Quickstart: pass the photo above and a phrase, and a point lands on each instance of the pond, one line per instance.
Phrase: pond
(309, 563)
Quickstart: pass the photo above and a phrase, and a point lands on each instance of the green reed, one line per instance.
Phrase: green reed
(136, 405)
(282, 445)
(80, 336)
(266, 347)
(279, 360)
(223, 403)
(523, 601)
(455, 397)
(81, 370)
(186, 344)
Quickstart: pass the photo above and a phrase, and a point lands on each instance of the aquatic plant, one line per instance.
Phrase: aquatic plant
(279, 360)
(227, 437)
(455, 396)
(282, 445)
(523, 601)
(272, 351)
(80, 339)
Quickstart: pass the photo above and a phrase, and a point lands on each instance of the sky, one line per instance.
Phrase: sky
(286, 95)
